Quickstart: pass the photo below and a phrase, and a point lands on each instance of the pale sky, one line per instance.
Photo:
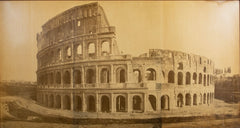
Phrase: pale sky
(205, 28)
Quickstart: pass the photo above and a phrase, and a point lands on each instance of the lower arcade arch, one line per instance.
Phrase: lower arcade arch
(91, 104)
(180, 100)
(165, 102)
(152, 100)
(58, 102)
(188, 99)
(105, 104)
(66, 102)
(137, 103)
(121, 104)
(77, 103)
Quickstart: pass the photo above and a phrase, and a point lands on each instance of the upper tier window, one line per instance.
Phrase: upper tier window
(78, 23)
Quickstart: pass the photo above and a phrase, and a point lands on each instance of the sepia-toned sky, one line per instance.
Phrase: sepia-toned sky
(205, 28)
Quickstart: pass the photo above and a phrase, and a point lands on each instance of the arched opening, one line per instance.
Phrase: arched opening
(204, 80)
(58, 102)
(104, 75)
(200, 99)
(204, 69)
(79, 49)
(105, 48)
(152, 100)
(150, 74)
(207, 79)
(91, 106)
(188, 78)
(51, 78)
(195, 78)
(66, 102)
(200, 78)
(121, 75)
(90, 76)
(121, 104)
(165, 102)
(46, 100)
(51, 101)
(204, 98)
(105, 104)
(137, 103)
(137, 76)
(171, 77)
(180, 100)
(91, 48)
(180, 78)
(67, 77)
(69, 52)
(77, 77)
(77, 103)
(207, 98)
(58, 78)
(188, 99)
(195, 99)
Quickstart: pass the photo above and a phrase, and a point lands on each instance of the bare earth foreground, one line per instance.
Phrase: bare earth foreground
(18, 112)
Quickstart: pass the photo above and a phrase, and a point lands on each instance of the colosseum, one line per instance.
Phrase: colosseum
(81, 70)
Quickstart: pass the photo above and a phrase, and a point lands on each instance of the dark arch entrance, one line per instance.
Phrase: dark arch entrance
(152, 100)
(137, 103)
(66, 102)
(105, 104)
(78, 103)
(91, 104)
(121, 104)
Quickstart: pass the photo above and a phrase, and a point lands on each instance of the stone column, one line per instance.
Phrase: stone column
(84, 107)
(111, 74)
(97, 76)
(84, 49)
(113, 105)
(97, 48)
(158, 104)
(72, 78)
(72, 101)
(83, 76)
(184, 78)
(62, 73)
(97, 104)
(145, 102)
(61, 101)
(129, 103)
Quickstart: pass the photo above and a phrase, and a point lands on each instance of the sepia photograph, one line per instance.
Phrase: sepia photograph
(122, 64)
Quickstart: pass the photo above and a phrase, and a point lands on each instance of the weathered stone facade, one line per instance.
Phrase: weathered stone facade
(80, 69)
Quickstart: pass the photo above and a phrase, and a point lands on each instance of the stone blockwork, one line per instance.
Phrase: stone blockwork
(80, 69)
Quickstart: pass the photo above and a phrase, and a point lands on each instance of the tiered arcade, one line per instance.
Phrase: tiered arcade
(80, 69)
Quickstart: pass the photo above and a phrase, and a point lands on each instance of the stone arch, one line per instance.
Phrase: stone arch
(188, 99)
(66, 102)
(152, 100)
(90, 76)
(188, 78)
(77, 77)
(208, 98)
(91, 104)
(77, 103)
(171, 77)
(105, 104)
(105, 48)
(180, 100)
(200, 78)
(58, 78)
(180, 78)
(46, 100)
(204, 80)
(69, 52)
(51, 78)
(121, 75)
(120, 104)
(165, 102)
(195, 78)
(67, 77)
(51, 101)
(104, 76)
(137, 103)
(204, 98)
(208, 80)
(137, 74)
(180, 66)
(91, 48)
(58, 102)
(150, 74)
(79, 49)
(195, 99)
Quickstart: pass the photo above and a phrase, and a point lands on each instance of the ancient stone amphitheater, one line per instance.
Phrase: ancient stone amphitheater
(81, 70)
